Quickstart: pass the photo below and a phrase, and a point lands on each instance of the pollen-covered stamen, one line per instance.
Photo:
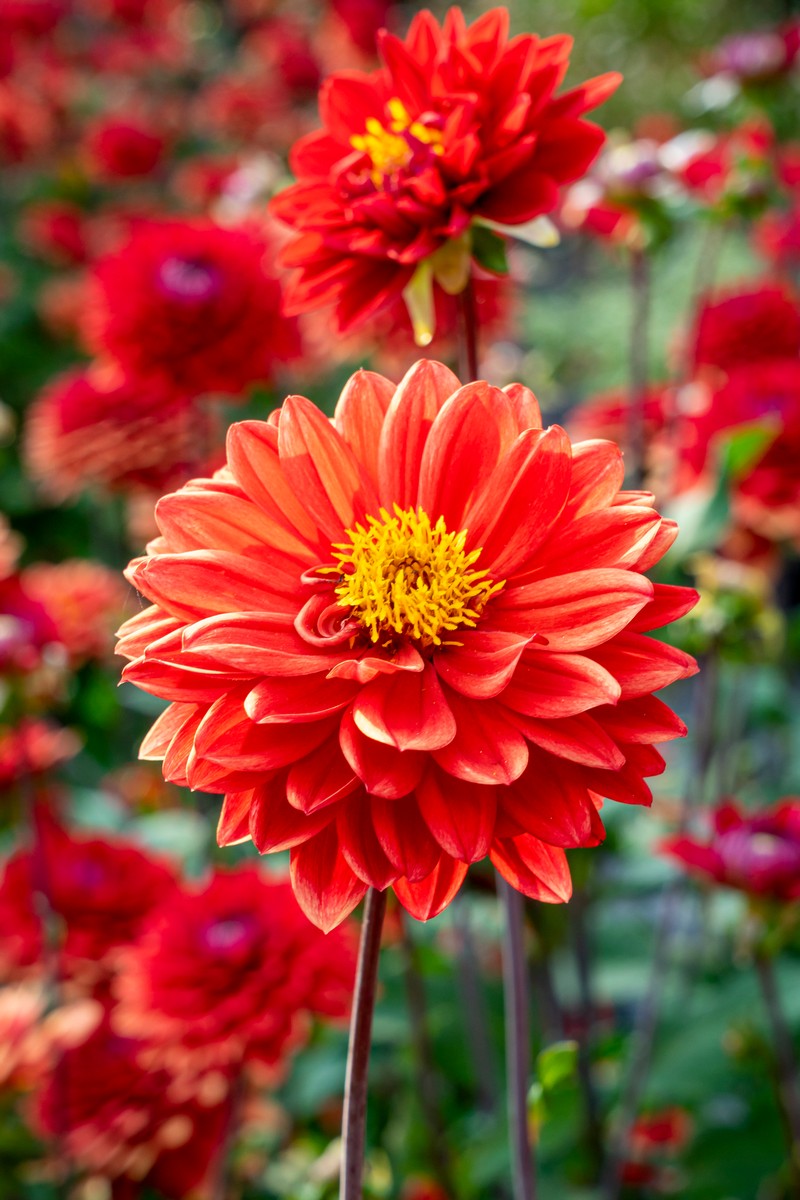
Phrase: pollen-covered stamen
(404, 575)
(397, 144)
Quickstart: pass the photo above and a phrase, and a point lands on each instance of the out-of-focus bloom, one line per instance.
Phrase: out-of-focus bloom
(123, 147)
(33, 747)
(121, 1122)
(423, 1189)
(230, 973)
(33, 18)
(56, 231)
(10, 548)
(101, 889)
(193, 304)
(746, 323)
(26, 628)
(460, 126)
(84, 599)
(777, 236)
(93, 428)
(31, 1037)
(606, 415)
(757, 56)
(731, 172)
(653, 1143)
(430, 598)
(757, 853)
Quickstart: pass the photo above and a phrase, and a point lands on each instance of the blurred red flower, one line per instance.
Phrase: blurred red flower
(84, 600)
(460, 125)
(101, 889)
(95, 428)
(192, 304)
(123, 147)
(746, 323)
(33, 747)
(757, 853)
(32, 1035)
(122, 1122)
(230, 972)
(422, 599)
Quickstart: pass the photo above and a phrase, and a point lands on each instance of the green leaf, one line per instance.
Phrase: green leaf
(743, 448)
(489, 250)
(557, 1063)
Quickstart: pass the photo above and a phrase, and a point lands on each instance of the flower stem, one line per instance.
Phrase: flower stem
(517, 1040)
(637, 399)
(355, 1088)
(474, 1008)
(785, 1062)
(469, 341)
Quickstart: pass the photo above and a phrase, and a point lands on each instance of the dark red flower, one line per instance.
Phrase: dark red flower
(123, 148)
(231, 972)
(95, 428)
(84, 600)
(459, 126)
(122, 1121)
(102, 889)
(55, 230)
(430, 600)
(757, 853)
(746, 323)
(193, 304)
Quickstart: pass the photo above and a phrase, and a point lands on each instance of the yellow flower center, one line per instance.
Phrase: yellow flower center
(391, 147)
(403, 575)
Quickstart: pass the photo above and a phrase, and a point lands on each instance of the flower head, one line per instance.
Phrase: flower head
(460, 125)
(194, 304)
(757, 853)
(230, 972)
(408, 638)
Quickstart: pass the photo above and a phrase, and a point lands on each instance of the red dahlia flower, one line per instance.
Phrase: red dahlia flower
(758, 854)
(194, 304)
(230, 972)
(408, 638)
(84, 600)
(745, 324)
(459, 128)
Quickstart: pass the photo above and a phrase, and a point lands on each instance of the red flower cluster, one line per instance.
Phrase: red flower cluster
(194, 305)
(409, 638)
(758, 854)
(230, 972)
(460, 126)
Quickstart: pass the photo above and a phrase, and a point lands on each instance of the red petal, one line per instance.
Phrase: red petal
(597, 475)
(579, 739)
(551, 801)
(359, 416)
(559, 685)
(669, 603)
(326, 888)
(642, 664)
(613, 537)
(404, 836)
(644, 720)
(284, 701)
(148, 626)
(420, 395)
(227, 736)
(533, 868)
(201, 583)
(487, 747)
(252, 449)
(429, 896)
(360, 846)
(383, 770)
(484, 662)
(460, 815)
(258, 644)
(233, 826)
(406, 710)
(275, 824)
(322, 468)
(320, 779)
(211, 520)
(526, 406)
(576, 611)
(522, 499)
(165, 727)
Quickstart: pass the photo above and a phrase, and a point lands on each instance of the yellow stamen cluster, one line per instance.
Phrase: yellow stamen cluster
(387, 147)
(403, 575)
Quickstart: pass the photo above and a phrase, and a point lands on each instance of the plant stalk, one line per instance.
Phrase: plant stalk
(517, 1040)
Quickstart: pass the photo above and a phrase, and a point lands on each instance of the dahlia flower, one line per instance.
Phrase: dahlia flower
(230, 972)
(194, 304)
(84, 600)
(457, 135)
(746, 323)
(407, 638)
(757, 853)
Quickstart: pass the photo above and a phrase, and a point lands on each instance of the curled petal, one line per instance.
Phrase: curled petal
(426, 898)
(532, 867)
(405, 710)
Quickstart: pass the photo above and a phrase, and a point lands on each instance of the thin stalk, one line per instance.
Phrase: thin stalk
(426, 1068)
(638, 368)
(517, 1040)
(354, 1118)
(785, 1061)
(583, 965)
(469, 342)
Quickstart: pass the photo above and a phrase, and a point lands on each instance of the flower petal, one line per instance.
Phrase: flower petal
(460, 815)
(483, 664)
(487, 747)
(360, 845)
(359, 416)
(406, 710)
(383, 770)
(539, 871)
(321, 778)
(551, 685)
(420, 395)
(427, 897)
(275, 824)
(326, 887)
(576, 611)
(405, 837)
(551, 801)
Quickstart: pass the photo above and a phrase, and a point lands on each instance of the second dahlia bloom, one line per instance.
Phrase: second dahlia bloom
(460, 125)
(230, 972)
(407, 638)
(192, 303)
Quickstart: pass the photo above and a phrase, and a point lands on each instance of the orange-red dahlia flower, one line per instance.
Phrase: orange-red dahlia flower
(407, 638)
(84, 600)
(194, 304)
(230, 972)
(460, 127)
